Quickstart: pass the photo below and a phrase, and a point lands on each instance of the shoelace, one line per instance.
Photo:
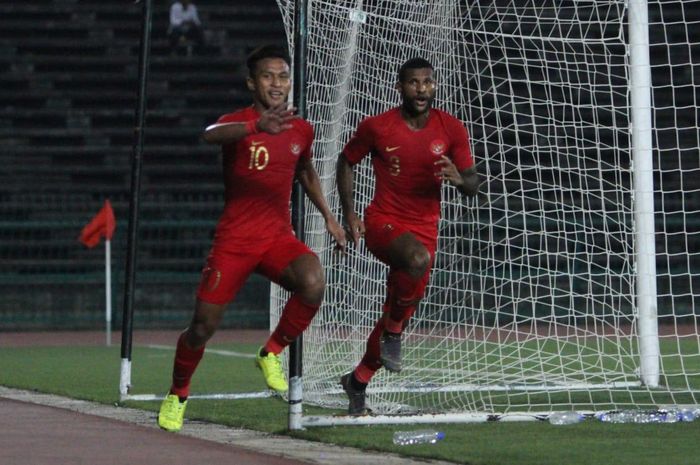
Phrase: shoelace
(276, 364)
(173, 413)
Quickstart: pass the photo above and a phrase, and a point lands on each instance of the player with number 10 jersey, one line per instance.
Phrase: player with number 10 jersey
(265, 147)
(258, 173)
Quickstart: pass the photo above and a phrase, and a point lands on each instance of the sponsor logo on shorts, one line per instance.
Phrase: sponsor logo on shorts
(391, 149)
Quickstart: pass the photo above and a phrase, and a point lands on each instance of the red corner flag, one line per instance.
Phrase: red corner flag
(103, 224)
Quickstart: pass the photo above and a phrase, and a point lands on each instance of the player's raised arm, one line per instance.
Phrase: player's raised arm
(344, 181)
(272, 121)
(308, 178)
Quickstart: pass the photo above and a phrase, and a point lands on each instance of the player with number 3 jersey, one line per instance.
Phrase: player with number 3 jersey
(414, 149)
(408, 182)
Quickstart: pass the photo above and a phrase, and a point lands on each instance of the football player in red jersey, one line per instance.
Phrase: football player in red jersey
(414, 149)
(265, 146)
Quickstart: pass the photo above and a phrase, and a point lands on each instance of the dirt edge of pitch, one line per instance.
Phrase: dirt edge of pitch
(279, 445)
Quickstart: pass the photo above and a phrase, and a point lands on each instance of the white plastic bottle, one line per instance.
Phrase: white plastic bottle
(687, 414)
(565, 418)
(405, 438)
(626, 416)
(682, 415)
(645, 416)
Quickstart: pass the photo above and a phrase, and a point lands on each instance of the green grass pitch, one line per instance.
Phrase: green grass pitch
(92, 373)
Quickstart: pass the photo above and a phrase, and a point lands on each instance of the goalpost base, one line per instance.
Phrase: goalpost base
(348, 420)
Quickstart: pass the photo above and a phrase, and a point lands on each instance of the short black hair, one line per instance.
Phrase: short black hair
(413, 63)
(266, 51)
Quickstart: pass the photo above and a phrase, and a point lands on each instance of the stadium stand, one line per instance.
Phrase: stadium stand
(68, 81)
(68, 84)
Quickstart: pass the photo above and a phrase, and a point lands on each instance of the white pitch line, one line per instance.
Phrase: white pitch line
(227, 353)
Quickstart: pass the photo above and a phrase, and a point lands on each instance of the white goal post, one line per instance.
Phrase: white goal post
(544, 292)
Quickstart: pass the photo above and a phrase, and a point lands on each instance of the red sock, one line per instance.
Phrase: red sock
(186, 361)
(370, 362)
(405, 291)
(296, 317)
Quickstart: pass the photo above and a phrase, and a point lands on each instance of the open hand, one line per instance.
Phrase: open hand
(355, 228)
(336, 230)
(277, 119)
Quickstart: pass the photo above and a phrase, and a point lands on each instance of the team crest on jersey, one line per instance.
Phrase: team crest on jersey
(438, 147)
(295, 148)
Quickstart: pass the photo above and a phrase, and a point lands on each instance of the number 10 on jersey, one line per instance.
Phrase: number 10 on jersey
(259, 157)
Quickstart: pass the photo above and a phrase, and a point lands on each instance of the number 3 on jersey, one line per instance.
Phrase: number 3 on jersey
(259, 157)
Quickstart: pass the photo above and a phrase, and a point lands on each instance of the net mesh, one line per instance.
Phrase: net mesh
(531, 303)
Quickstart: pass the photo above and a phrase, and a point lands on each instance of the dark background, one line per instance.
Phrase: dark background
(68, 82)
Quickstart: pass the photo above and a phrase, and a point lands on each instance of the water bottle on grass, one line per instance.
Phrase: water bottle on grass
(405, 438)
(687, 414)
(565, 418)
(647, 416)
(628, 416)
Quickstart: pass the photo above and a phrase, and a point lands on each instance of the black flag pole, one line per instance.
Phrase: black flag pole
(132, 237)
(296, 348)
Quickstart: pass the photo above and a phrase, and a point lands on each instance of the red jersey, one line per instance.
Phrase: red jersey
(258, 174)
(406, 185)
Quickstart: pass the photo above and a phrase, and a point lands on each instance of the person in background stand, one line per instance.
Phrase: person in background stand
(265, 147)
(184, 26)
(414, 149)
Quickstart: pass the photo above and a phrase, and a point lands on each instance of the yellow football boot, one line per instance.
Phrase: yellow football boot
(172, 413)
(271, 367)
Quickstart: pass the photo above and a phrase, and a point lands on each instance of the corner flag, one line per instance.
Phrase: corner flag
(102, 225)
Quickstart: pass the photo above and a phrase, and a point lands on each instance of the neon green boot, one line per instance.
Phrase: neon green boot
(172, 413)
(271, 367)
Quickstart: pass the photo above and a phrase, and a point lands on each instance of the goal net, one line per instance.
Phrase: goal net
(532, 303)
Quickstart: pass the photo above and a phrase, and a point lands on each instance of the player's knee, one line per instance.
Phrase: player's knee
(312, 286)
(418, 262)
(201, 330)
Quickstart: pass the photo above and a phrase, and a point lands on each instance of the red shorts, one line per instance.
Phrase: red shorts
(381, 230)
(226, 269)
